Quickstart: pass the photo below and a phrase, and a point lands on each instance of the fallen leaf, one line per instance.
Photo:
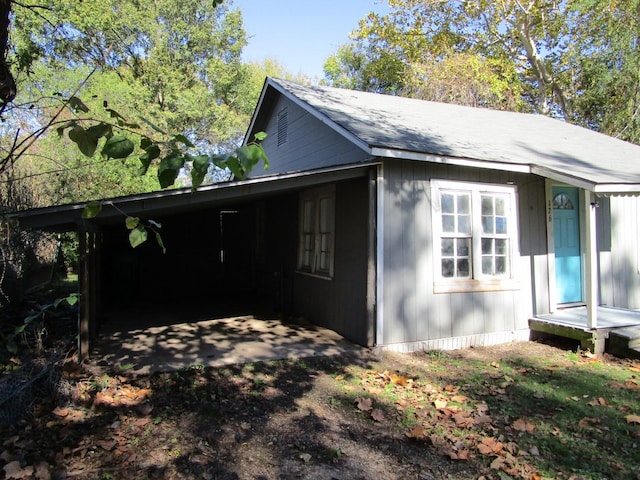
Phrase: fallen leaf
(522, 425)
(60, 412)
(377, 415)
(364, 404)
(418, 433)
(14, 470)
(305, 457)
(534, 451)
(459, 399)
(587, 422)
(440, 404)
(633, 418)
(489, 446)
(463, 419)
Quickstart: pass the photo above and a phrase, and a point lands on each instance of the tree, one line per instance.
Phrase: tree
(606, 65)
(135, 85)
(493, 38)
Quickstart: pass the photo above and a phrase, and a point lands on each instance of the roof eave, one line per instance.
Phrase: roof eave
(69, 217)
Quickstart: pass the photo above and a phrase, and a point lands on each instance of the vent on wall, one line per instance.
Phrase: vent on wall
(283, 126)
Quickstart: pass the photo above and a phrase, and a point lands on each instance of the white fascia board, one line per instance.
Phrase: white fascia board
(443, 159)
(563, 177)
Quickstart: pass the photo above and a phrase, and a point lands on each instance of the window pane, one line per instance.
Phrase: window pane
(487, 246)
(463, 247)
(447, 268)
(487, 225)
(464, 204)
(308, 216)
(501, 246)
(463, 267)
(326, 209)
(487, 205)
(448, 223)
(446, 203)
(447, 246)
(500, 206)
(501, 265)
(464, 224)
(487, 265)
(501, 225)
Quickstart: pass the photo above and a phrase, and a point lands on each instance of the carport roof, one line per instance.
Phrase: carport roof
(68, 217)
(398, 127)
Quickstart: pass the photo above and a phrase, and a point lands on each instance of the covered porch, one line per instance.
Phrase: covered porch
(617, 330)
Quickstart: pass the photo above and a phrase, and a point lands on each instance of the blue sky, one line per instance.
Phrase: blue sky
(301, 34)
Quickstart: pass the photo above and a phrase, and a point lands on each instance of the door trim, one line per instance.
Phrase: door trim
(553, 297)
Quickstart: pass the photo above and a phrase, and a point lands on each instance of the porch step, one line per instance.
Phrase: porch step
(625, 341)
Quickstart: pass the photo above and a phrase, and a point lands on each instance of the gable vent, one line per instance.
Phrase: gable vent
(283, 126)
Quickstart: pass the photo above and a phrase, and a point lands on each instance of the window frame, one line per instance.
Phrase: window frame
(316, 232)
(476, 281)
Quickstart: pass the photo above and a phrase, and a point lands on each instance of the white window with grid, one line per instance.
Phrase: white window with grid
(475, 236)
(316, 237)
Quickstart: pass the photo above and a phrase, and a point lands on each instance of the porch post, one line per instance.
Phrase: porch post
(84, 311)
(591, 260)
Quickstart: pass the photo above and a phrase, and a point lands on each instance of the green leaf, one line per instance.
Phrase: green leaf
(169, 168)
(98, 131)
(219, 160)
(233, 164)
(184, 140)
(118, 146)
(91, 210)
(260, 136)
(151, 153)
(131, 222)
(145, 142)
(72, 299)
(199, 171)
(86, 144)
(78, 105)
(250, 155)
(137, 236)
(161, 243)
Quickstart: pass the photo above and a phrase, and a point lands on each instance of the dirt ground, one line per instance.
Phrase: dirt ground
(264, 420)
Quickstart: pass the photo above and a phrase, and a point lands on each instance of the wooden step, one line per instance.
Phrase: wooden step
(625, 342)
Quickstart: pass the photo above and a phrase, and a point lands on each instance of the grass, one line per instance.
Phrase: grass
(569, 416)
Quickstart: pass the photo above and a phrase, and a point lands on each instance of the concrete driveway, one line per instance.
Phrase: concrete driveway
(145, 342)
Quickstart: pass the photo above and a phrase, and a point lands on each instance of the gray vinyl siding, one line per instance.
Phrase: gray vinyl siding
(340, 303)
(412, 312)
(310, 144)
(619, 255)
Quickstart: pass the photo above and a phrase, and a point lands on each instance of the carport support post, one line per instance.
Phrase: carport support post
(87, 275)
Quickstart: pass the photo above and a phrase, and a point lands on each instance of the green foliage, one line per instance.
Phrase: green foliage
(35, 323)
(575, 60)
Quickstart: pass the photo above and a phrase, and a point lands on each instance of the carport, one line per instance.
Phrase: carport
(224, 286)
(147, 341)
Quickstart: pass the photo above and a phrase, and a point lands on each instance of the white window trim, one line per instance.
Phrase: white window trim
(316, 195)
(478, 282)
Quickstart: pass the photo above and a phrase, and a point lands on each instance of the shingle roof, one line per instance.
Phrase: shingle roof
(416, 129)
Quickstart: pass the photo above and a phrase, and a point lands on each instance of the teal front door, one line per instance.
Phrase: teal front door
(566, 238)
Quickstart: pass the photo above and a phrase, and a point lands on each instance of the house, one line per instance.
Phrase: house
(398, 223)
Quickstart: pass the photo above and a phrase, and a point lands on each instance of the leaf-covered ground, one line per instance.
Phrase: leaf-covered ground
(524, 410)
